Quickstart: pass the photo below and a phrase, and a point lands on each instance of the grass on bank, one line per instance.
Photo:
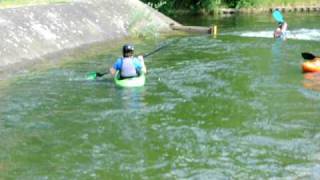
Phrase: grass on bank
(17, 3)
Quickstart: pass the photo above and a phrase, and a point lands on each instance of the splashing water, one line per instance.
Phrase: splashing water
(299, 34)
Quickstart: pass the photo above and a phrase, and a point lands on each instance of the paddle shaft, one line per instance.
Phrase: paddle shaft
(154, 51)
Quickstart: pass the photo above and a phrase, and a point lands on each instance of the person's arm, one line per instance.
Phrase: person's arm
(143, 66)
(116, 66)
(284, 27)
(112, 71)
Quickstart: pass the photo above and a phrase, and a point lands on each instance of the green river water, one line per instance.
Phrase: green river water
(232, 107)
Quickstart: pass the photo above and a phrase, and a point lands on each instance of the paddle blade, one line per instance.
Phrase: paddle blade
(277, 16)
(308, 56)
(91, 75)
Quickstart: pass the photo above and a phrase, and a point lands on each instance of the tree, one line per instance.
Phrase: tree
(168, 6)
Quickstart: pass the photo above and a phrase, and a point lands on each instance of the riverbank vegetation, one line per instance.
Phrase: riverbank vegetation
(195, 6)
(15, 3)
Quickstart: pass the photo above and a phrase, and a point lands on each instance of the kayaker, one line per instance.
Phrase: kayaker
(128, 65)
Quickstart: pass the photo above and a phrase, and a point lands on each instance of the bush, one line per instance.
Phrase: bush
(170, 6)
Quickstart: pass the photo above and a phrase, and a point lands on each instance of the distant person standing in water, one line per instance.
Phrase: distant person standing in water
(281, 30)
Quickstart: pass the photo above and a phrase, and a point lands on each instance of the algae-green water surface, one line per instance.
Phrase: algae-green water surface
(232, 107)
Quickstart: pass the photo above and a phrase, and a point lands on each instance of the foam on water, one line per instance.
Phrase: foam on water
(299, 34)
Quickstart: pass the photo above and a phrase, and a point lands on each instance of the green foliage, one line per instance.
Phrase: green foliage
(170, 6)
(245, 3)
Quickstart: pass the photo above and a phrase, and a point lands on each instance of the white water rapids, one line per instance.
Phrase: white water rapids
(298, 34)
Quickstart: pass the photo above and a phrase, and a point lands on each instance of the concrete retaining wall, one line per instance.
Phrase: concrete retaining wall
(28, 33)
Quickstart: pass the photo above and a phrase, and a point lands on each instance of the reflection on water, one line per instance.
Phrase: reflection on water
(277, 58)
(312, 81)
(131, 98)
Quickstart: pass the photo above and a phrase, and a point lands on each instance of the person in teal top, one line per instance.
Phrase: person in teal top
(128, 65)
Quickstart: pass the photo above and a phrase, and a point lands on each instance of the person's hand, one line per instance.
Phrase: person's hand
(144, 69)
(140, 57)
(112, 71)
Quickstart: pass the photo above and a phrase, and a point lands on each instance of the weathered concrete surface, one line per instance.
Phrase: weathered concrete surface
(28, 33)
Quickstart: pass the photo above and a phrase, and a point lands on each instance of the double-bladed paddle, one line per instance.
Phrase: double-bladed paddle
(308, 56)
(94, 75)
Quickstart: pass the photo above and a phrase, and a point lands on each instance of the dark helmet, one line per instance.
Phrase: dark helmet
(127, 48)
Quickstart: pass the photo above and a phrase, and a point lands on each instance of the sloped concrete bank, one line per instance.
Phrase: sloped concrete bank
(29, 33)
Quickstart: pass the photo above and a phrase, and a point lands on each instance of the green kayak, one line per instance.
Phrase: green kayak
(131, 82)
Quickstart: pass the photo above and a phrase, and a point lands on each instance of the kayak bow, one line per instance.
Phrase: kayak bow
(130, 82)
